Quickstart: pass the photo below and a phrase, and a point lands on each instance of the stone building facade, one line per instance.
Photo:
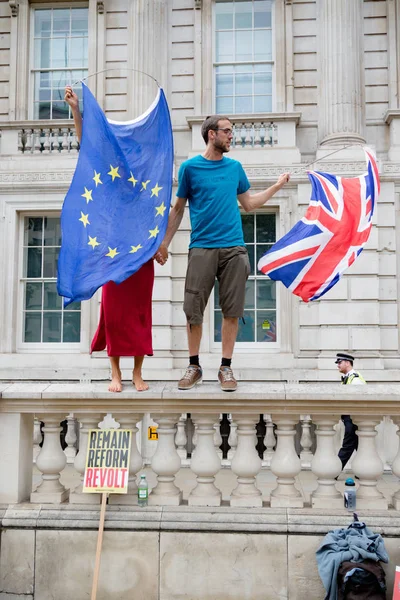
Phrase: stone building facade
(300, 80)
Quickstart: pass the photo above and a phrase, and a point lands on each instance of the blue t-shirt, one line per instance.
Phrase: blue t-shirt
(212, 187)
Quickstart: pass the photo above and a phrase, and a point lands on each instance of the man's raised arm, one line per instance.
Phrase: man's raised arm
(253, 201)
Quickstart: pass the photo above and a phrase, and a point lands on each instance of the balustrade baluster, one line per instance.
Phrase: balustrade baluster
(28, 141)
(257, 136)
(64, 142)
(306, 442)
(232, 439)
(87, 422)
(367, 465)
(218, 437)
(46, 133)
(248, 141)
(205, 464)
(181, 437)
(50, 461)
(269, 441)
(71, 439)
(285, 464)
(37, 438)
(326, 465)
(396, 467)
(246, 463)
(135, 463)
(166, 463)
(36, 142)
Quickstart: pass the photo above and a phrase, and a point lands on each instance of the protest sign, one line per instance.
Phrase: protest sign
(107, 461)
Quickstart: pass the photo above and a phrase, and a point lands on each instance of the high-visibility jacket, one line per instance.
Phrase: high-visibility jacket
(353, 378)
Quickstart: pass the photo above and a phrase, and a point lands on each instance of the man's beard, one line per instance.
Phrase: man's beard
(221, 147)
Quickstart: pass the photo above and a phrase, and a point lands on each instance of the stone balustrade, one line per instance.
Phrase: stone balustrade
(38, 138)
(260, 133)
(282, 408)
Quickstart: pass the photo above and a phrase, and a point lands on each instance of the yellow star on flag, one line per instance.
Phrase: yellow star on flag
(93, 242)
(155, 190)
(135, 249)
(131, 178)
(96, 178)
(114, 173)
(160, 210)
(112, 252)
(84, 219)
(154, 232)
(87, 195)
(144, 185)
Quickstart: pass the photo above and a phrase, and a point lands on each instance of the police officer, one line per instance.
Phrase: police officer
(349, 377)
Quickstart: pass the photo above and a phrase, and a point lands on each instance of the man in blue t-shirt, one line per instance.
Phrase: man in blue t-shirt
(212, 183)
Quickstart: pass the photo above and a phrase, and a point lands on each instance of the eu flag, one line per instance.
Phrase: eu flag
(115, 213)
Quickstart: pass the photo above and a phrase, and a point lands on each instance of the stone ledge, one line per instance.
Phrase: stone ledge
(185, 518)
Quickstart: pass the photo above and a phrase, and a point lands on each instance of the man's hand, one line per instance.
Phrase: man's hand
(282, 179)
(71, 98)
(161, 256)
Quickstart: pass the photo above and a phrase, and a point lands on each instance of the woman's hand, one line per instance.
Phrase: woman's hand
(71, 98)
(161, 256)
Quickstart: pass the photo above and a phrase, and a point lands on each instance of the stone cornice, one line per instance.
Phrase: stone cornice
(393, 113)
(282, 399)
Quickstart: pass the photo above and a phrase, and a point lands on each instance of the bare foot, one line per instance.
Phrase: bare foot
(116, 383)
(140, 385)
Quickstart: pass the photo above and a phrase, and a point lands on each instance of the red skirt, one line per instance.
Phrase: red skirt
(125, 315)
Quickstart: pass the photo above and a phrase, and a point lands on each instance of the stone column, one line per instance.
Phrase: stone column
(218, 436)
(285, 464)
(326, 465)
(269, 441)
(70, 439)
(50, 461)
(166, 463)
(135, 462)
(246, 463)
(148, 52)
(206, 464)
(181, 437)
(37, 438)
(341, 90)
(87, 422)
(232, 439)
(368, 466)
(306, 455)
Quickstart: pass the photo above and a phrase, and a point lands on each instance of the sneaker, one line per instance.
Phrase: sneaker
(226, 379)
(193, 375)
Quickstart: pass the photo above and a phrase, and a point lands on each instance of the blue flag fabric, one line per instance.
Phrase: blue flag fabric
(115, 213)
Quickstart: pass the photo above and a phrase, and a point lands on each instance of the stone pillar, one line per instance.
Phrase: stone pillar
(246, 463)
(232, 439)
(285, 464)
(206, 464)
(148, 52)
(166, 463)
(181, 437)
(218, 436)
(306, 455)
(16, 432)
(50, 461)
(135, 463)
(70, 439)
(87, 422)
(326, 465)
(341, 90)
(368, 466)
(37, 438)
(269, 441)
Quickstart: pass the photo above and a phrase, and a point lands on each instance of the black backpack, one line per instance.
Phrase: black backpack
(368, 583)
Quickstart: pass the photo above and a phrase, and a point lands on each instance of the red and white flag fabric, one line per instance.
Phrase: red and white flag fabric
(311, 258)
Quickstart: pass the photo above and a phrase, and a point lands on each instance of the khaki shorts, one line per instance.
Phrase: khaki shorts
(230, 266)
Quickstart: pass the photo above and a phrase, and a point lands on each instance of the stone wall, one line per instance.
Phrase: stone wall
(172, 554)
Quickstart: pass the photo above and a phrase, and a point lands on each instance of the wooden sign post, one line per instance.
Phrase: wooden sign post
(106, 472)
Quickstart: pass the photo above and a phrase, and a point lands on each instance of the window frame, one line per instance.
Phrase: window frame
(33, 347)
(271, 62)
(31, 64)
(250, 347)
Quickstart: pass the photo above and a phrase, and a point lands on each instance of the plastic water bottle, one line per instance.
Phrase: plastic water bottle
(143, 491)
(350, 494)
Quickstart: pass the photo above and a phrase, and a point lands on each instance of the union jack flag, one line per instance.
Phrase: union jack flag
(311, 258)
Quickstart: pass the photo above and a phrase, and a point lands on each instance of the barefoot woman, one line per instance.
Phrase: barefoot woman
(125, 312)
